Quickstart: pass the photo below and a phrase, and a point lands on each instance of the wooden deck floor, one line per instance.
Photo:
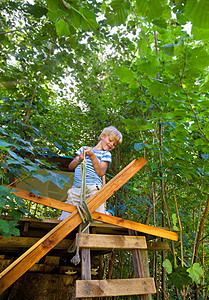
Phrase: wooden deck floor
(31, 230)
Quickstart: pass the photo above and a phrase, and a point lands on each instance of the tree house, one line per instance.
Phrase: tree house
(130, 236)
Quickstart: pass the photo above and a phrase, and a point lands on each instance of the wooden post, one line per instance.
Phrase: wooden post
(86, 263)
(145, 262)
(139, 265)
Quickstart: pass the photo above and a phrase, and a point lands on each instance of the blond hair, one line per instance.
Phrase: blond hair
(112, 131)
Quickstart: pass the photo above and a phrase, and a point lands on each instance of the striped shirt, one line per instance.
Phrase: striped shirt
(91, 176)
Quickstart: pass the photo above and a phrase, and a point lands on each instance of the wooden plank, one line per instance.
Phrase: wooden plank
(151, 230)
(26, 242)
(41, 199)
(116, 242)
(147, 229)
(44, 268)
(158, 246)
(114, 287)
(50, 240)
(52, 260)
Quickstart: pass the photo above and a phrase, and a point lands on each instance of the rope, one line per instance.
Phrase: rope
(76, 258)
(83, 210)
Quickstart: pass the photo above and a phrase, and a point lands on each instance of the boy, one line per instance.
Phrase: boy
(98, 158)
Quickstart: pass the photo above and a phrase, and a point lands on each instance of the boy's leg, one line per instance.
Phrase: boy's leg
(91, 190)
(73, 198)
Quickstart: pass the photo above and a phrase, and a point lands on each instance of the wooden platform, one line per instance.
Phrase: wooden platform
(31, 230)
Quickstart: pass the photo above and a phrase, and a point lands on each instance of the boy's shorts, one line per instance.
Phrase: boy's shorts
(74, 198)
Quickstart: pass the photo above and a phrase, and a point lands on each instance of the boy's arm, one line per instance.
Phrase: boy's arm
(100, 168)
(75, 162)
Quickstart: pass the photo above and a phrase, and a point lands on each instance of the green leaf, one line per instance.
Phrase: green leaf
(53, 4)
(4, 144)
(138, 146)
(174, 219)
(32, 168)
(125, 74)
(15, 231)
(54, 16)
(179, 277)
(58, 179)
(75, 17)
(198, 58)
(142, 7)
(150, 66)
(43, 178)
(149, 8)
(17, 157)
(175, 228)
(195, 272)
(160, 22)
(3, 201)
(4, 226)
(119, 13)
(197, 11)
(16, 214)
(7, 228)
(168, 49)
(205, 156)
(88, 20)
(168, 266)
(200, 33)
(156, 89)
(36, 10)
(205, 86)
(155, 9)
(62, 28)
(13, 162)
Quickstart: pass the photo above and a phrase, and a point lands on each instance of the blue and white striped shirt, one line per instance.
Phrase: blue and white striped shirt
(91, 176)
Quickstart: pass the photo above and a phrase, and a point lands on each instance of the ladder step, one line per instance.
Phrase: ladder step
(118, 242)
(114, 287)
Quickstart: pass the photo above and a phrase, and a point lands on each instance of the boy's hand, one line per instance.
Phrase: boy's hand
(88, 151)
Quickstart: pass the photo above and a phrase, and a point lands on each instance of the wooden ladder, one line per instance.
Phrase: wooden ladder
(140, 285)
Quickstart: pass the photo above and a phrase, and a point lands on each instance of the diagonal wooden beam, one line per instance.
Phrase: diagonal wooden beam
(159, 232)
(45, 244)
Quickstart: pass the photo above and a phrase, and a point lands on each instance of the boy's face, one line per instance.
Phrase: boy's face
(108, 142)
